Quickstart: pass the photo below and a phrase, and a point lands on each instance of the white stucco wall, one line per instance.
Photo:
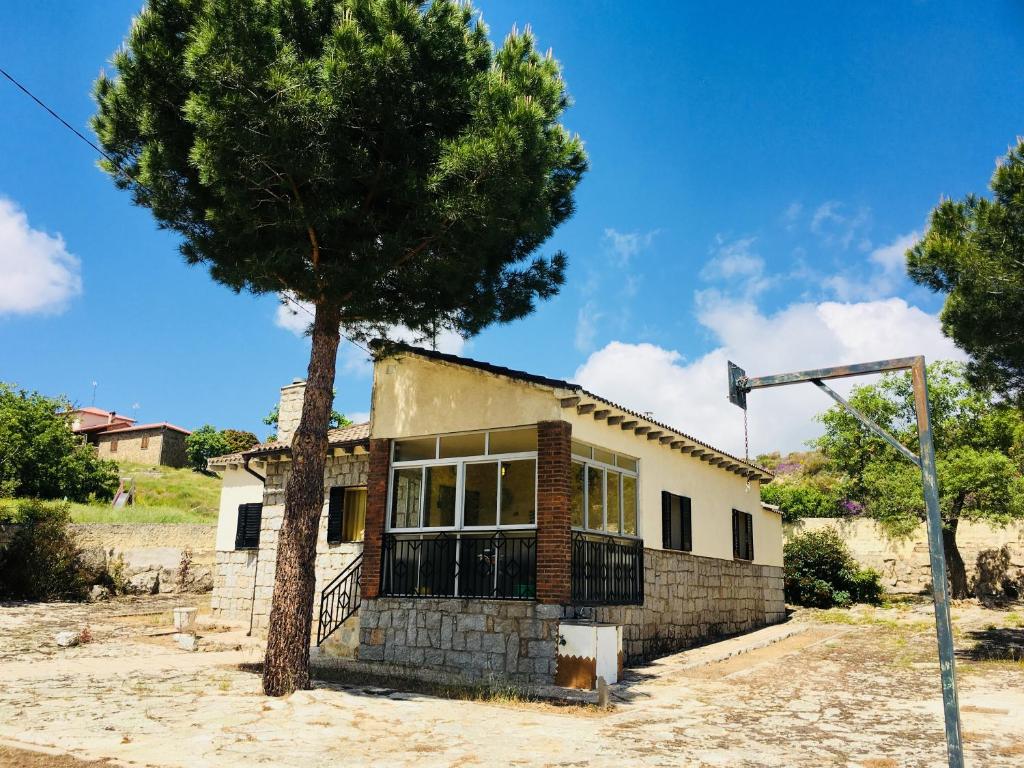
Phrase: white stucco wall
(237, 487)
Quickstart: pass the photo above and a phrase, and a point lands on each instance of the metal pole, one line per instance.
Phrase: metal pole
(940, 588)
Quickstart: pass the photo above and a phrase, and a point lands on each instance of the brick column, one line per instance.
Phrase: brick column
(554, 515)
(376, 514)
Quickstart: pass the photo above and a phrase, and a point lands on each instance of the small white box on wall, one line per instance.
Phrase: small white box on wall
(587, 651)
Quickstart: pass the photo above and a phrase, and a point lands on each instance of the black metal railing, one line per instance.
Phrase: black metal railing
(339, 599)
(606, 569)
(496, 564)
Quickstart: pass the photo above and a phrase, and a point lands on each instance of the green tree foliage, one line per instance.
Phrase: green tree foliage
(973, 251)
(820, 572)
(238, 440)
(42, 561)
(379, 159)
(41, 457)
(805, 486)
(976, 437)
(337, 421)
(203, 444)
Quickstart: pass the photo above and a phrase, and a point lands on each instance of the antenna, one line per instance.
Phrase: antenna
(94, 393)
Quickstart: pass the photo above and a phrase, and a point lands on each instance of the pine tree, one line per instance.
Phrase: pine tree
(379, 159)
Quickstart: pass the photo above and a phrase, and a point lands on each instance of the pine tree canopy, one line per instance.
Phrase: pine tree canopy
(974, 252)
(381, 157)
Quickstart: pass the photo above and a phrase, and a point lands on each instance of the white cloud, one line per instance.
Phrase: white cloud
(886, 266)
(586, 326)
(834, 226)
(791, 215)
(691, 395)
(735, 263)
(39, 275)
(626, 245)
(293, 315)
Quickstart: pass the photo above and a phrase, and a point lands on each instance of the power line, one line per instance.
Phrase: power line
(124, 173)
(74, 130)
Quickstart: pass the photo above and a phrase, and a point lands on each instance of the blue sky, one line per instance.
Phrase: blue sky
(756, 172)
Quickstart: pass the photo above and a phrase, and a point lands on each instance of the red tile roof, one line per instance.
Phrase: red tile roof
(353, 434)
(114, 428)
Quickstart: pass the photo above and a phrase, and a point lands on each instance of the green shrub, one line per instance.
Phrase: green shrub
(821, 572)
(42, 560)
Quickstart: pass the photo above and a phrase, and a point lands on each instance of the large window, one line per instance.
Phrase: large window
(346, 514)
(473, 480)
(604, 491)
(742, 535)
(676, 522)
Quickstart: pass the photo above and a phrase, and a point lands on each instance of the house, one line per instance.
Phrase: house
(485, 517)
(119, 438)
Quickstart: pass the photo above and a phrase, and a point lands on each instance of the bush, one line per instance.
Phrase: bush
(821, 572)
(204, 443)
(42, 560)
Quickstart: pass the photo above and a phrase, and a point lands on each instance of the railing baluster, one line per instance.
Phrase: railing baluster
(606, 569)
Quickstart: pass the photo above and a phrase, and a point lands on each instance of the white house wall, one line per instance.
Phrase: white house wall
(237, 487)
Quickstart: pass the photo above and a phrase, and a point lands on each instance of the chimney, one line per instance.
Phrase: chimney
(290, 410)
(110, 417)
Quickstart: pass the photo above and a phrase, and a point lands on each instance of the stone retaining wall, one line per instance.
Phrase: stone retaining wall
(462, 640)
(690, 599)
(994, 557)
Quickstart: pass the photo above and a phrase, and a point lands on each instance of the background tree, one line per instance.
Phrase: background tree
(207, 442)
(337, 420)
(379, 159)
(41, 457)
(974, 436)
(238, 440)
(973, 251)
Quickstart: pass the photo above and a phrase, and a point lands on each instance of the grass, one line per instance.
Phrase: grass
(162, 495)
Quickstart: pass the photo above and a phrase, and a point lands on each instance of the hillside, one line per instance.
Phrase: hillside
(162, 495)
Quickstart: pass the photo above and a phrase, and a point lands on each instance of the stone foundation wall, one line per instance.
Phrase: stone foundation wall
(690, 599)
(239, 571)
(461, 640)
(994, 557)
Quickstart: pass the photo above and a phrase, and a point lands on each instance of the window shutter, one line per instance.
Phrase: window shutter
(335, 515)
(686, 523)
(735, 533)
(750, 536)
(666, 520)
(247, 533)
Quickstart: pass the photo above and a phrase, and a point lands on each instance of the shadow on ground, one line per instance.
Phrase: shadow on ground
(995, 644)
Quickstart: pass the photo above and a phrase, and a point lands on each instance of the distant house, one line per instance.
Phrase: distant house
(490, 523)
(119, 438)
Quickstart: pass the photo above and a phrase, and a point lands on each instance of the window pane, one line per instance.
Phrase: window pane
(517, 492)
(513, 441)
(354, 520)
(405, 498)
(625, 462)
(605, 457)
(629, 505)
(439, 507)
(612, 485)
(577, 494)
(579, 449)
(462, 445)
(595, 498)
(415, 450)
(480, 499)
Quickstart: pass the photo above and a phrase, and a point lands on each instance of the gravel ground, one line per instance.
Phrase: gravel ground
(856, 688)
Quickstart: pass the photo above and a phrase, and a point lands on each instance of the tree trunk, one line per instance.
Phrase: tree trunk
(955, 570)
(286, 666)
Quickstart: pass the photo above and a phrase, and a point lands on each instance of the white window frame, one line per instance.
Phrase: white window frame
(623, 473)
(460, 483)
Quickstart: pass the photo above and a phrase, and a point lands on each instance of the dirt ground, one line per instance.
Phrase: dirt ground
(851, 688)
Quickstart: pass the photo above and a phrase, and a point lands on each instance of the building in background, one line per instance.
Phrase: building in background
(120, 438)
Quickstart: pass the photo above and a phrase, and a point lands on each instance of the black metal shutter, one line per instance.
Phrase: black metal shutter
(666, 520)
(686, 523)
(735, 533)
(335, 515)
(247, 533)
(750, 536)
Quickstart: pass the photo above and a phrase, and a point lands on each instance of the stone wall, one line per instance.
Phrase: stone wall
(172, 449)
(461, 640)
(994, 557)
(129, 446)
(244, 583)
(690, 599)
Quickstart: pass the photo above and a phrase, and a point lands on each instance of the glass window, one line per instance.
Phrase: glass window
(415, 450)
(605, 457)
(577, 494)
(518, 492)
(579, 449)
(513, 441)
(407, 487)
(629, 505)
(595, 499)
(354, 519)
(480, 497)
(612, 491)
(439, 497)
(625, 462)
(462, 445)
